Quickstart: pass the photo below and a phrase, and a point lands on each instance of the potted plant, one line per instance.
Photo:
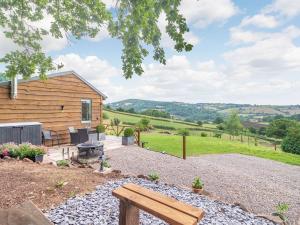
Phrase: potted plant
(100, 129)
(128, 138)
(39, 153)
(197, 185)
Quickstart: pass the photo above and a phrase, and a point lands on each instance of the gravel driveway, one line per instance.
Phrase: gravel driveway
(258, 184)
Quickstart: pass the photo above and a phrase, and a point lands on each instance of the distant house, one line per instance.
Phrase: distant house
(63, 100)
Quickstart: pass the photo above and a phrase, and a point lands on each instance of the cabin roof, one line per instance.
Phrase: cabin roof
(6, 83)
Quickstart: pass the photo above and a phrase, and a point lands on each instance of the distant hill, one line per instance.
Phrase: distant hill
(207, 111)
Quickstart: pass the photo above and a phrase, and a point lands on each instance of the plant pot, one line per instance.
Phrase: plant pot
(39, 158)
(198, 190)
(101, 136)
(128, 140)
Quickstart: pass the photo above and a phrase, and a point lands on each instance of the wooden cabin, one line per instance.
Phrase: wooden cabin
(63, 100)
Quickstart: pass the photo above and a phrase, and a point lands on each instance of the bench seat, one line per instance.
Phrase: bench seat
(133, 197)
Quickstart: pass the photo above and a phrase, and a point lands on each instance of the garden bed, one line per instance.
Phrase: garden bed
(45, 185)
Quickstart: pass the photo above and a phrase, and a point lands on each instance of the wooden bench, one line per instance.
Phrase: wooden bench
(133, 197)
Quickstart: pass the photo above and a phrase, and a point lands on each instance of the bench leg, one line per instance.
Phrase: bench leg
(129, 214)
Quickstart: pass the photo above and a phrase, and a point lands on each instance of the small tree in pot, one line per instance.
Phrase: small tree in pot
(100, 129)
(128, 138)
(197, 185)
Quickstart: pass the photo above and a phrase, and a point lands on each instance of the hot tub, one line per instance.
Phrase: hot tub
(21, 132)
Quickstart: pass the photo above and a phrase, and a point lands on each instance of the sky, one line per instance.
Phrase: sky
(244, 52)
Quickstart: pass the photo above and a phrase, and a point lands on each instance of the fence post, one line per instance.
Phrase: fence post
(139, 138)
(184, 147)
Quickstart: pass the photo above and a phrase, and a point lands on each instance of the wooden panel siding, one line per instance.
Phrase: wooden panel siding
(41, 101)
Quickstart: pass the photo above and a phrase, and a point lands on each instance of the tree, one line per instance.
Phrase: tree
(200, 123)
(252, 130)
(134, 23)
(2, 77)
(291, 143)
(279, 128)
(144, 124)
(218, 120)
(233, 124)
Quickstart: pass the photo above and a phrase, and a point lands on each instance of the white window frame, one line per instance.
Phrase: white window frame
(91, 107)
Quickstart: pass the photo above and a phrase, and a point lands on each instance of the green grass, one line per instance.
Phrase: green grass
(132, 118)
(196, 145)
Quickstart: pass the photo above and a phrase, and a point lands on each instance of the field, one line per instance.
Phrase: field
(132, 118)
(196, 145)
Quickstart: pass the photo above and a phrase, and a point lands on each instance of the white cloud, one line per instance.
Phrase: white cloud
(95, 70)
(288, 8)
(270, 54)
(201, 13)
(260, 20)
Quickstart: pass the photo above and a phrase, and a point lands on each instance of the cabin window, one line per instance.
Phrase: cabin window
(86, 110)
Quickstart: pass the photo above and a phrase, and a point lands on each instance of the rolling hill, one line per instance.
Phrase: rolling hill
(207, 111)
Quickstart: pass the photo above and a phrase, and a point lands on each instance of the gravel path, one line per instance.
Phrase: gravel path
(258, 184)
(101, 208)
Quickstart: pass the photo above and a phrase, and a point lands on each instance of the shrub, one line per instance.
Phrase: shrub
(105, 116)
(62, 163)
(291, 143)
(106, 164)
(217, 135)
(221, 127)
(200, 123)
(115, 122)
(22, 151)
(100, 128)
(128, 132)
(203, 134)
(183, 132)
(163, 127)
(153, 176)
(143, 124)
(197, 183)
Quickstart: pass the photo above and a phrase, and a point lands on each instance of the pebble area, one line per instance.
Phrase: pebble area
(101, 208)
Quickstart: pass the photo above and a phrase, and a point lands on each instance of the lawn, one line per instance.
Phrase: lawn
(196, 145)
(132, 118)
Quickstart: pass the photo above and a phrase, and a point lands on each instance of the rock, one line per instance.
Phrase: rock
(7, 157)
(117, 171)
(100, 207)
(27, 160)
(241, 206)
(275, 219)
(143, 177)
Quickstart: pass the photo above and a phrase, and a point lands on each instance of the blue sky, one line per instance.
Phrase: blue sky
(244, 52)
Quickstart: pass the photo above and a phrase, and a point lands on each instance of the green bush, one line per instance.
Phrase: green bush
(153, 176)
(100, 128)
(128, 132)
(200, 123)
(291, 143)
(183, 132)
(197, 183)
(163, 127)
(22, 151)
(115, 122)
(218, 135)
(62, 163)
(203, 134)
(105, 116)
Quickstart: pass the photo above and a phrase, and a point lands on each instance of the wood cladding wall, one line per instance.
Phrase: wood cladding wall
(41, 101)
